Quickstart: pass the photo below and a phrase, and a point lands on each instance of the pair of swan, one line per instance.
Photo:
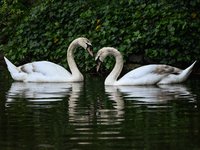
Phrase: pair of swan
(45, 71)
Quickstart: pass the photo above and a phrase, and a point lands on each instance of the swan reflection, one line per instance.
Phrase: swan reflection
(41, 93)
(109, 116)
(149, 94)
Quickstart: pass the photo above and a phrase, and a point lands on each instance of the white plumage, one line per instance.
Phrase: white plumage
(45, 71)
(145, 75)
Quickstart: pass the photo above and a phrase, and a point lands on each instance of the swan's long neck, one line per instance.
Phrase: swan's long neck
(76, 74)
(112, 77)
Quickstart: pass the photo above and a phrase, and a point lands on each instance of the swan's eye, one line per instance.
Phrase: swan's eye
(89, 45)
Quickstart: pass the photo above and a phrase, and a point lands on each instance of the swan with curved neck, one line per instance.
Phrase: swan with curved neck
(45, 71)
(145, 75)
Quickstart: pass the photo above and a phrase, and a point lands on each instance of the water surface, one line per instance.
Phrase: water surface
(90, 115)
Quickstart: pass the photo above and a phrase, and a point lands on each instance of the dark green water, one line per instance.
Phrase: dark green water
(89, 115)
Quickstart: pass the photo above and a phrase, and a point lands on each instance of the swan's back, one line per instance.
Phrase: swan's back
(44, 71)
(40, 71)
(141, 71)
(147, 75)
(46, 68)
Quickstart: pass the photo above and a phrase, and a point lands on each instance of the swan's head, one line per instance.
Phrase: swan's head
(103, 53)
(86, 44)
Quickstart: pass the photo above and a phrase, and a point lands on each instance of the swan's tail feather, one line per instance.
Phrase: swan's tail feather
(172, 78)
(187, 72)
(12, 68)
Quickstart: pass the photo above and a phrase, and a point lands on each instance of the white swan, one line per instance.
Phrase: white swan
(45, 71)
(145, 75)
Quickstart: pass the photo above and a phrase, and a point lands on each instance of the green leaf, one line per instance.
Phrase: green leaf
(10, 43)
(49, 44)
(105, 23)
(136, 33)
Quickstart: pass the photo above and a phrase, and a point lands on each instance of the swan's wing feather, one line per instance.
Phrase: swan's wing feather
(45, 68)
(166, 69)
(141, 71)
(42, 71)
(50, 69)
(152, 69)
(149, 74)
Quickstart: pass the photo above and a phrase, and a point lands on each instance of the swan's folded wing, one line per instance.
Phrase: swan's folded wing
(141, 71)
(178, 76)
(50, 69)
(166, 69)
(42, 71)
(149, 74)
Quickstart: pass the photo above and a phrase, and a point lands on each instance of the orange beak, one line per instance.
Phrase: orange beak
(98, 65)
(89, 49)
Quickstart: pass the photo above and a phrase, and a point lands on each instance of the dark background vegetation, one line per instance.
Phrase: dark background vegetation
(165, 30)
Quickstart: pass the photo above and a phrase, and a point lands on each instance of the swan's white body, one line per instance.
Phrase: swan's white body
(45, 71)
(145, 75)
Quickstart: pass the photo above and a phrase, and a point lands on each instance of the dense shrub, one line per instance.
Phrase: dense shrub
(167, 30)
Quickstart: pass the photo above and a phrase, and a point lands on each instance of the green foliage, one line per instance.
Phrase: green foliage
(12, 13)
(47, 32)
(167, 31)
(8, 14)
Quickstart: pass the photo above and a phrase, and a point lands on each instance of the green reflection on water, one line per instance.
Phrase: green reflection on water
(90, 115)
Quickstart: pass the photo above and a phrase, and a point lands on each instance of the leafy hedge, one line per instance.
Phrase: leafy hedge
(167, 31)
